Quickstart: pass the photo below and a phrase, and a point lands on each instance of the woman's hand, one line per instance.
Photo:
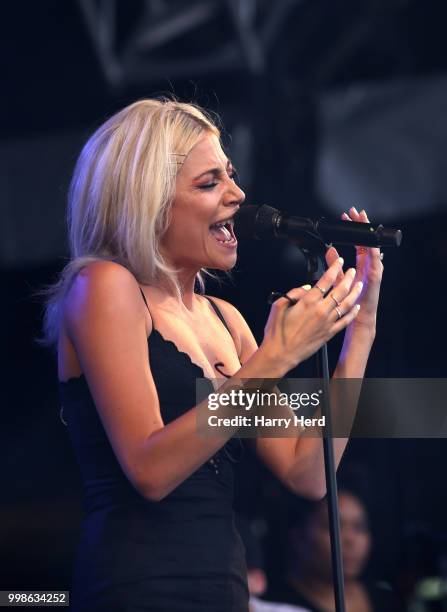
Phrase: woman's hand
(294, 333)
(369, 271)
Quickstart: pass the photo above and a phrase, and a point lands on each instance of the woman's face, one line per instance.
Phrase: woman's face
(355, 539)
(355, 535)
(205, 194)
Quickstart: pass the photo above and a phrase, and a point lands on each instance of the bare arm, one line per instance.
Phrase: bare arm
(298, 461)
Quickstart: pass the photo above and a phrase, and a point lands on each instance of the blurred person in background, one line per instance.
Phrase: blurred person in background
(151, 209)
(309, 581)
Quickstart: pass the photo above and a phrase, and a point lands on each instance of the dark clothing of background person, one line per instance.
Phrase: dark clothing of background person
(382, 598)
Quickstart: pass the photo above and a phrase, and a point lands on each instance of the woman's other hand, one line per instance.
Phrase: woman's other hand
(369, 270)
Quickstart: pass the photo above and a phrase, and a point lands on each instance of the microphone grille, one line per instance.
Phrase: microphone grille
(255, 221)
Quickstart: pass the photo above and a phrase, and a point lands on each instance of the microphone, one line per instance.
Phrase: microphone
(265, 222)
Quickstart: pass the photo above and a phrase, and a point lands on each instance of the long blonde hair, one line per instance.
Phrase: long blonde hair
(121, 194)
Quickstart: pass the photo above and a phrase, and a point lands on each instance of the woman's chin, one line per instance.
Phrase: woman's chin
(219, 267)
(228, 265)
(222, 263)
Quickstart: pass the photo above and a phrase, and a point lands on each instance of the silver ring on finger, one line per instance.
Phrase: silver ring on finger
(337, 303)
(339, 312)
(317, 286)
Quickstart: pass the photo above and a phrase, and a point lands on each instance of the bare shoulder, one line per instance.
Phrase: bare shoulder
(102, 276)
(238, 326)
(104, 289)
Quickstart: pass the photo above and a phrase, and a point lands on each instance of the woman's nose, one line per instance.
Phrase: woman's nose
(236, 195)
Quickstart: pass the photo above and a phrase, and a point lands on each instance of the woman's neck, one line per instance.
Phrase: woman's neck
(186, 283)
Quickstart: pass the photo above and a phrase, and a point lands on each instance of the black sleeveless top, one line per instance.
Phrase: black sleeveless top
(180, 554)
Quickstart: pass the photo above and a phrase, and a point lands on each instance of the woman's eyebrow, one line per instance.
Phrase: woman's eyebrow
(215, 171)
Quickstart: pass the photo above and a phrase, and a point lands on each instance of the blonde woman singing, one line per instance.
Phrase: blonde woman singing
(151, 207)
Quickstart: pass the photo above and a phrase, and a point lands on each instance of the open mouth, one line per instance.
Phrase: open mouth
(223, 232)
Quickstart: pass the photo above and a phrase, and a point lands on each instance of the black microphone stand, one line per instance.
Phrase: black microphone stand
(315, 264)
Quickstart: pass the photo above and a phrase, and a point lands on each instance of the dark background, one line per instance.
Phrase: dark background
(325, 105)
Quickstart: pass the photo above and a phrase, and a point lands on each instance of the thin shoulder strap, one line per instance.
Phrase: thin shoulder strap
(145, 301)
(218, 312)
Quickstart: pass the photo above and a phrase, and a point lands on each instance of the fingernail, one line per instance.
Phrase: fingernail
(357, 307)
(306, 287)
(341, 260)
(352, 271)
(360, 285)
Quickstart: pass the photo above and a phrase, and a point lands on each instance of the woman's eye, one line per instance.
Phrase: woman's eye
(207, 186)
(232, 174)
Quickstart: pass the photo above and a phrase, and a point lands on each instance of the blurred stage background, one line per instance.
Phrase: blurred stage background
(325, 105)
